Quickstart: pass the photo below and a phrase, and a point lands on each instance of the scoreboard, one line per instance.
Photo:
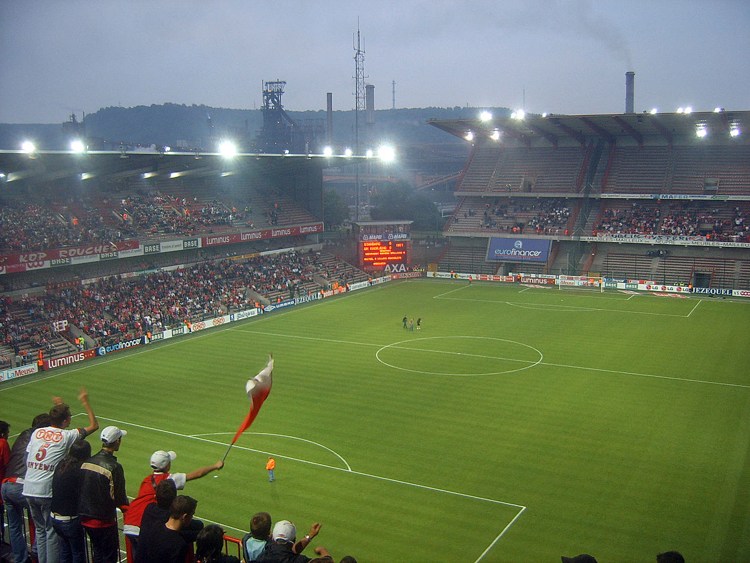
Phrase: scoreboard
(377, 254)
(383, 246)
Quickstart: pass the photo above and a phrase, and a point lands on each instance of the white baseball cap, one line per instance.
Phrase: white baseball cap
(111, 434)
(284, 530)
(160, 460)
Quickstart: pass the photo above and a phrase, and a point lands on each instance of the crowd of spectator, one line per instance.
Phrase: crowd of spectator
(116, 308)
(99, 219)
(679, 219)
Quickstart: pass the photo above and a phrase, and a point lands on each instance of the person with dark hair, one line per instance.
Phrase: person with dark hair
(670, 557)
(12, 489)
(102, 493)
(164, 543)
(210, 545)
(46, 448)
(254, 542)
(348, 559)
(161, 464)
(66, 489)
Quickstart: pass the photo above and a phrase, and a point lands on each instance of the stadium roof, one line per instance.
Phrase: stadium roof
(627, 128)
(50, 166)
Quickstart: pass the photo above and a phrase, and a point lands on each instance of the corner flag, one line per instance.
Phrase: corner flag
(257, 389)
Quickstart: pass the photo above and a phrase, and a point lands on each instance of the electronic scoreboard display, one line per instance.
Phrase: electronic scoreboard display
(377, 254)
(383, 246)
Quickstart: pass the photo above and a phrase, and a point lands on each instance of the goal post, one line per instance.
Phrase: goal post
(581, 282)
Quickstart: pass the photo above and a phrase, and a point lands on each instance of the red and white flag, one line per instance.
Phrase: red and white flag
(257, 390)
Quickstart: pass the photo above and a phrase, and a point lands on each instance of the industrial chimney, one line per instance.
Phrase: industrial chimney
(629, 92)
(329, 118)
(369, 104)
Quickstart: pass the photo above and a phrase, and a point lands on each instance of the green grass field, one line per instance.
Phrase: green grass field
(519, 424)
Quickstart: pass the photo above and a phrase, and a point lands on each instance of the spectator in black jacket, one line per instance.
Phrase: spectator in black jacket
(102, 492)
(66, 490)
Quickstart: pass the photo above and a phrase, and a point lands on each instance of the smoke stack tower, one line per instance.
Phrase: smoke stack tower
(629, 92)
(329, 118)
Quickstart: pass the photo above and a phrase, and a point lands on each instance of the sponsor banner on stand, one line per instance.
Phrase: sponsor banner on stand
(664, 288)
(262, 234)
(740, 293)
(74, 358)
(15, 373)
(712, 291)
(518, 249)
(120, 346)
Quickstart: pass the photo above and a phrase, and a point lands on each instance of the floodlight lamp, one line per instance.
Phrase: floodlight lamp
(469, 136)
(28, 147)
(701, 131)
(167, 149)
(485, 116)
(544, 114)
(228, 149)
(734, 131)
(348, 152)
(368, 153)
(718, 110)
(519, 115)
(495, 135)
(688, 110)
(327, 151)
(77, 146)
(386, 153)
(653, 111)
(680, 110)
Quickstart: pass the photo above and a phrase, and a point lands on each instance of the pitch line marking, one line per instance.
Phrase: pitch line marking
(696, 306)
(562, 308)
(521, 508)
(348, 467)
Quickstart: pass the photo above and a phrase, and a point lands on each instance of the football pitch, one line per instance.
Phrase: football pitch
(518, 424)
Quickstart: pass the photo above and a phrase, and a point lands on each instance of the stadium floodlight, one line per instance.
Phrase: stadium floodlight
(228, 149)
(469, 136)
(327, 151)
(544, 114)
(718, 109)
(485, 116)
(348, 152)
(386, 153)
(701, 131)
(495, 135)
(653, 111)
(519, 115)
(734, 130)
(77, 146)
(368, 153)
(688, 110)
(28, 147)
(167, 148)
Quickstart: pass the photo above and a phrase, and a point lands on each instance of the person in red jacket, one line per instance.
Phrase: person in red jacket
(161, 463)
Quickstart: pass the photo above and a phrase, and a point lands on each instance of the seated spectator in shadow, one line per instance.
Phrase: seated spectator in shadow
(583, 558)
(66, 489)
(164, 543)
(281, 548)
(348, 559)
(670, 557)
(254, 542)
(210, 545)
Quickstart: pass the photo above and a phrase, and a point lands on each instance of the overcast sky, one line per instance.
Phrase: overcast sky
(559, 56)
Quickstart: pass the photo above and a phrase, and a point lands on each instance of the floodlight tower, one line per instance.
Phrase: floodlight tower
(359, 98)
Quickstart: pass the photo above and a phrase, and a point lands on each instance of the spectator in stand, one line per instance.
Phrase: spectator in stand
(66, 490)
(12, 489)
(210, 544)
(102, 492)
(164, 543)
(283, 547)
(254, 542)
(161, 463)
(4, 449)
(50, 444)
(670, 557)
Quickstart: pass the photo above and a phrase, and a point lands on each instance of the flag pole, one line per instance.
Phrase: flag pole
(227, 452)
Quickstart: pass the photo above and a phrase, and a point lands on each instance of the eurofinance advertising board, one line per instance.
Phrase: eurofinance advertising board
(518, 249)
